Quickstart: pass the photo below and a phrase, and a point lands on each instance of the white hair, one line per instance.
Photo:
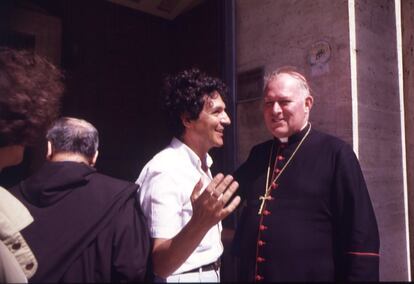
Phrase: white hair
(291, 71)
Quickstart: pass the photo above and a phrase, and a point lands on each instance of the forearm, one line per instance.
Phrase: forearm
(208, 210)
(169, 255)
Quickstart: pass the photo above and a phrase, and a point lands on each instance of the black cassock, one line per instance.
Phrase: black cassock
(318, 224)
(87, 227)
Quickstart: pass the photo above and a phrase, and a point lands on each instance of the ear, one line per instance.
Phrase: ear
(49, 150)
(186, 121)
(95, 157)
(308, 103)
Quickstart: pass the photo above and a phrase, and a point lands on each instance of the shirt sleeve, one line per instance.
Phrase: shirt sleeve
(356, 225)
(10, 270)
(162, 202)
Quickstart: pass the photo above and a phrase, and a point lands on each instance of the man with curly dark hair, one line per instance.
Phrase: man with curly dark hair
(30, 93)
(183, 203)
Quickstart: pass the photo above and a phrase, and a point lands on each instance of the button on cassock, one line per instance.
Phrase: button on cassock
(263, 227)
(259, 278)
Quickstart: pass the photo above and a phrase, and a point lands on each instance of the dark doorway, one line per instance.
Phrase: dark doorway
(115, 59)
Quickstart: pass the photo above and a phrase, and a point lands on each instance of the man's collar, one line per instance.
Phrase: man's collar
(294, 137)
(177, 143)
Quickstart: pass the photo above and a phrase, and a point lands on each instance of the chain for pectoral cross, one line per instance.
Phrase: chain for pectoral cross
(266, 195)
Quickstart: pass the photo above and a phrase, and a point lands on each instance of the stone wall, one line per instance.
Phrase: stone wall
(314, 36)
(271, 34)
(407, 15)
(380, 129)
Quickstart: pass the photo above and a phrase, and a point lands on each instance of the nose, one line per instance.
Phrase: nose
(276, 108)
(225, 119)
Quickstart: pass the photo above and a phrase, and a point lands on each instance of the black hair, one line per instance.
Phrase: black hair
(184, 93)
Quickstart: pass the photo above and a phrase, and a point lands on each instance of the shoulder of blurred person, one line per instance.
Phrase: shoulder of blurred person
(31, 89)
(17, 262)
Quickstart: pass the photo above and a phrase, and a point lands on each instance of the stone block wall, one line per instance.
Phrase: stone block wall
(273, 33)
(407, 15)
(380, 144)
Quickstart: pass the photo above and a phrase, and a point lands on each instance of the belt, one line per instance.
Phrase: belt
(208, 267)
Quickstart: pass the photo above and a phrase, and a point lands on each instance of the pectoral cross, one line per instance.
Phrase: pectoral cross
(263, 198)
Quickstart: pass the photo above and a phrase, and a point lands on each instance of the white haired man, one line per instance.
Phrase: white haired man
(308, 215)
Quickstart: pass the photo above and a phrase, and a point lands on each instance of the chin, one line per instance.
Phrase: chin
(219, 144)
(279, 132)
(15, 156)
(16, 162)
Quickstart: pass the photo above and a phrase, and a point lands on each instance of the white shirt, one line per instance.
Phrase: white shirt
(166, 183)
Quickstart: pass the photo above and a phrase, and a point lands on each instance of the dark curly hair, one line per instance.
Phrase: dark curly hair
(30, 93)
(185, 94)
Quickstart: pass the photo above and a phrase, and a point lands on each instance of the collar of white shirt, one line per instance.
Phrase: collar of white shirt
(195, 160)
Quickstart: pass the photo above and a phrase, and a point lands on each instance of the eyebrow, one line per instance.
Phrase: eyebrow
(217, 107)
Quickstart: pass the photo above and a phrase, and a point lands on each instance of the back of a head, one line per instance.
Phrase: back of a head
(73, 136)
(31, 89)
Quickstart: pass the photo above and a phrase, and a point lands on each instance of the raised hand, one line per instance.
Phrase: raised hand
(210, 207)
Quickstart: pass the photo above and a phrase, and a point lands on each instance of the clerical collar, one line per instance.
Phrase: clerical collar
(283, 140)
(295, 137)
